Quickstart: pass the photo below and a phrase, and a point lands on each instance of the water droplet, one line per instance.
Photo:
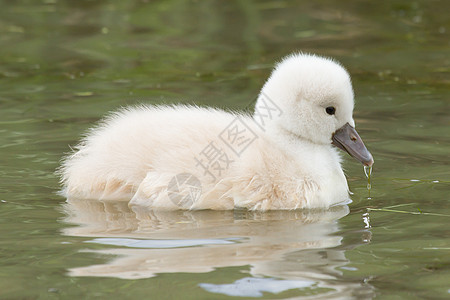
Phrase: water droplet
(368, 172)
(366, 220)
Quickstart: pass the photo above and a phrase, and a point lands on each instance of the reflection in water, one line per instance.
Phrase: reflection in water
(293, 248)
(254, 287)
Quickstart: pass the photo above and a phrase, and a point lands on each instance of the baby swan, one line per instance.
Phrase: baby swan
(184, 157)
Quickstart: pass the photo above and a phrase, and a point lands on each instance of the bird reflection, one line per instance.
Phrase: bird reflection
(294, 247)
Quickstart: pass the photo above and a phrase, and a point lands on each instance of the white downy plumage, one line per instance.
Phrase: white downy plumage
(282, 157)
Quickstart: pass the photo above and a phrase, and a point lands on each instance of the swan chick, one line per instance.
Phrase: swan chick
(284, 156)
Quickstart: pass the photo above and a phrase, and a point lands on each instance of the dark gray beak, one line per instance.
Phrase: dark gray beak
(348, 140)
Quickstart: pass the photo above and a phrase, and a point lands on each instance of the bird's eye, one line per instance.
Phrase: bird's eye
(330, 110)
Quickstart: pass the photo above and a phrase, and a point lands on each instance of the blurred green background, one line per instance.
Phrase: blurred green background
(65, 64)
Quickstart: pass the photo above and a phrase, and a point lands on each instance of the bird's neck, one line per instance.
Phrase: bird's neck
(285, 137)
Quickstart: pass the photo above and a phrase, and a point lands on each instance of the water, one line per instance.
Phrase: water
(64, 64)
(368, 173)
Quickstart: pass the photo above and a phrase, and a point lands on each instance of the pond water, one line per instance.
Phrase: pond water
(65, 64)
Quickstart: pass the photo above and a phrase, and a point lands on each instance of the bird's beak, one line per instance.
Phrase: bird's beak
(348, 140)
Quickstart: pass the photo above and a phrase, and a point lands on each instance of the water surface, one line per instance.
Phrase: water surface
(65, 64)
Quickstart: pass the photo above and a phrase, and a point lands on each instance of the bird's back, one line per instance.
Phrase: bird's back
(115, 156)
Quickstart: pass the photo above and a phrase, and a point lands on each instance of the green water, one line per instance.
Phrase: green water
(64, 64)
